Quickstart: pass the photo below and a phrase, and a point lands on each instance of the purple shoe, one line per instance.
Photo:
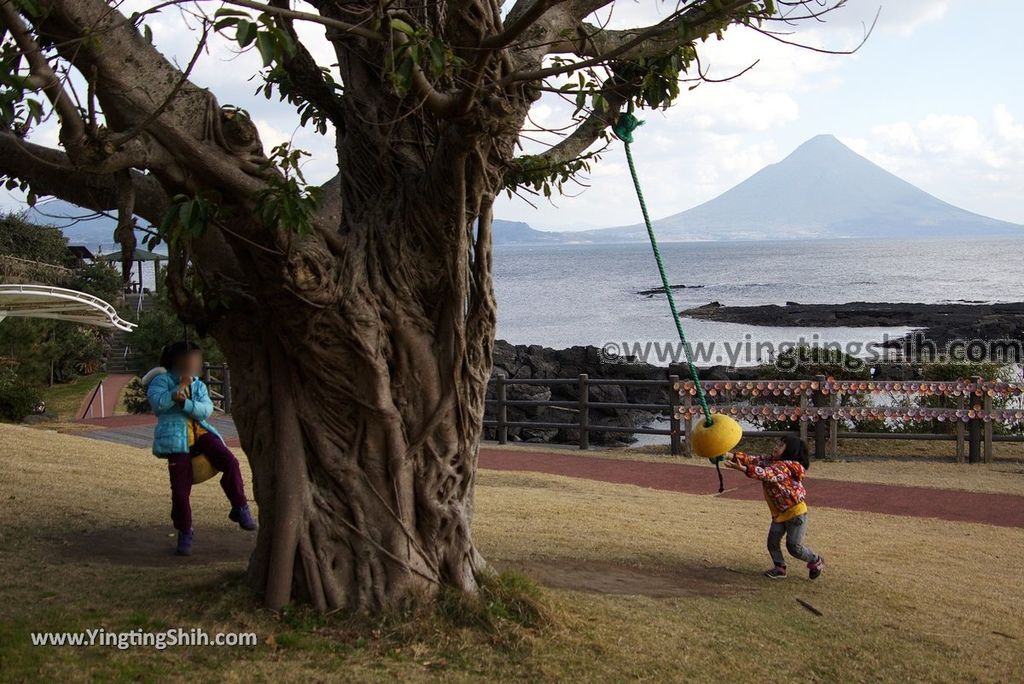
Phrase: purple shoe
(778, 572)
(184, 543)
(243, 516)
(815, 567)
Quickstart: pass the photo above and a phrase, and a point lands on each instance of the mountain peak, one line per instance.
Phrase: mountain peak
(824, 145)
(824, 189)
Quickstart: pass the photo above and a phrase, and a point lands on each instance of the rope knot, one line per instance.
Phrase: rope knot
(624, 127)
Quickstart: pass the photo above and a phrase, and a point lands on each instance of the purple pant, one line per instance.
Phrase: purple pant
(179, 466)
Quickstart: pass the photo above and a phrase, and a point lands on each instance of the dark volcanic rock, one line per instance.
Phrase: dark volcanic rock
(661, 290)
(521, 362)
(517, 362)
(940, 323)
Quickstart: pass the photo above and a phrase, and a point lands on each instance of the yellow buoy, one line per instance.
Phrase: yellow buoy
(712, 441)
(202, 469)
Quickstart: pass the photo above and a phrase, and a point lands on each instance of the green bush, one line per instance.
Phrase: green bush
(134, 397)
(17, 398)
(98, 279)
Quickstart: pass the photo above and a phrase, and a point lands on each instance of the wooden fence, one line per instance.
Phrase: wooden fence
(970, 407)
(817, 406)
(583, 406)
(217, 377)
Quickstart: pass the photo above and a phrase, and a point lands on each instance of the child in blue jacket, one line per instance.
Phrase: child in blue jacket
(181, 402)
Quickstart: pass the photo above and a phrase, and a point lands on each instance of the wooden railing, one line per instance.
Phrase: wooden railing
(15, 269)
(583, 406)
(815, 406)
(217, 377)
(819, 409)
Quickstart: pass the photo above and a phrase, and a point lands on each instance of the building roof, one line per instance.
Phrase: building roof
(59, 304)
(80, 252)
(140, 255)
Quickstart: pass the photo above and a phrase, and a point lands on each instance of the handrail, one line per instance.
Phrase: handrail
(88, 410)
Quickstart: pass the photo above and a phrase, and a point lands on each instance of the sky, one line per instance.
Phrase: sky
(934, 96)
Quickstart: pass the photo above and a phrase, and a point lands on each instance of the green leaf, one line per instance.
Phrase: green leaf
(245, 33)
(228, 12)
(437, 57)
(399, 25)
(268, 51)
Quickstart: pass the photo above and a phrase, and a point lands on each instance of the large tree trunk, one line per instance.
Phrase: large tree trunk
(360, 379)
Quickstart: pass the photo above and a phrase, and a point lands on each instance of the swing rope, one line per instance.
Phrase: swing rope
(623, 129)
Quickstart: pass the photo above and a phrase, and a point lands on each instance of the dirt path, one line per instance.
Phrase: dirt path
(1004, 510)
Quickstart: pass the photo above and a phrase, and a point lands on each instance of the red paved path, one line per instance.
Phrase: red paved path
(113, 385)
(1005, 510)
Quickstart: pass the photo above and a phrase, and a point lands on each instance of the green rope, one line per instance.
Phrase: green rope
(623, 128)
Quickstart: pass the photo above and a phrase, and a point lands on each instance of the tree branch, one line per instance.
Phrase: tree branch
(342, 26)
(685, 26)
(574, 145)
(42, 77)
(49, 172)
(442, 104)
(305, 75)
(520, 18)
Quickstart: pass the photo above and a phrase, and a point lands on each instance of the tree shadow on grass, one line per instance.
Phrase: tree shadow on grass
(610, 577)
(153, 545)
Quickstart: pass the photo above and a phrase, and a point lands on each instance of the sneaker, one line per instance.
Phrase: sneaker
(184, 543)
(815, 567)
(243, 516)
(778, 572)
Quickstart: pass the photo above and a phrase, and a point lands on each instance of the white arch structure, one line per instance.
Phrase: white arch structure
(59, 304)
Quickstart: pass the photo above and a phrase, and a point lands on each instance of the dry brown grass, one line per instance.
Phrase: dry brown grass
(903, 599)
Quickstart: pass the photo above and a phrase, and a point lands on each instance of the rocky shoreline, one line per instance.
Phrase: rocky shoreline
(938, 323)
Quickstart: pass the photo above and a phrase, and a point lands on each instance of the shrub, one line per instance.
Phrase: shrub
(17, 398)
(134, 397)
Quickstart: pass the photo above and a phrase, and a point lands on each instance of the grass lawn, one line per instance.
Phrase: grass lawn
(638, 584)
(66, 399)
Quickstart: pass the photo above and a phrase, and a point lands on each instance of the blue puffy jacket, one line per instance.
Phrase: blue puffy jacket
(171, 435)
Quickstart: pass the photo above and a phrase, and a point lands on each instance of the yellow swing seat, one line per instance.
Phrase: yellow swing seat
(202, 469)
(717, 439)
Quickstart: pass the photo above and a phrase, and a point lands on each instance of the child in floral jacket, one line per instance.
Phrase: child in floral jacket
(782, 476)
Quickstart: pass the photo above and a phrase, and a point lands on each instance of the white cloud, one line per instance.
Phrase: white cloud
(899, 16)
(976, 163)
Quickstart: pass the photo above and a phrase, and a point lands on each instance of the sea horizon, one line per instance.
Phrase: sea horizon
(593, 300)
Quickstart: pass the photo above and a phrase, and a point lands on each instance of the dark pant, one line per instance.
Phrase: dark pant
(180, 468)
(793, 530)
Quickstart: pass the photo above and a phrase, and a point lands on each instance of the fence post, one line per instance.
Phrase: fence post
(226, 388)
(803, 411)
(206, 373)
(987, 406)
(820, 433)
(960, 432)
(584, 409)
(501, 410)
(833, 427)
(673, 423)
(974, 427)
(688, 432)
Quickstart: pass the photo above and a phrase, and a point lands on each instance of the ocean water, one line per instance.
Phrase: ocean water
(564, 295)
